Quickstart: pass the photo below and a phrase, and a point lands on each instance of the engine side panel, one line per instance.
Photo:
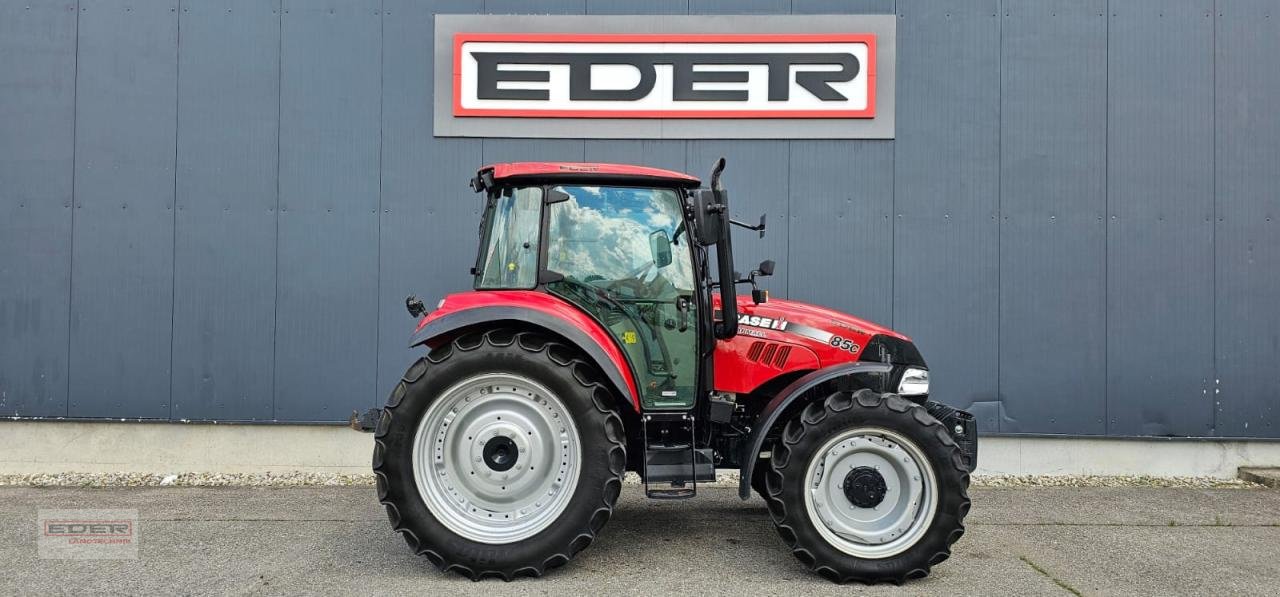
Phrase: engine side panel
(781, 336)
(746, 362)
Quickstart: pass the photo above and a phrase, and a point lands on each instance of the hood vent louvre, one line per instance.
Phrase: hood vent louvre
(780, 361)
(769, 353)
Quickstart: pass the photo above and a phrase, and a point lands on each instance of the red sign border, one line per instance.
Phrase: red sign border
(866, 38)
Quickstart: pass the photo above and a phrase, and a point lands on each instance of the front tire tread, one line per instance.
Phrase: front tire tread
(845, 569)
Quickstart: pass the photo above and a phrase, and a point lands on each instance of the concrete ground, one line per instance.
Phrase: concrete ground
(336, 540)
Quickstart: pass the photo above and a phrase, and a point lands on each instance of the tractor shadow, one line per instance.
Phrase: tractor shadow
(714, 529)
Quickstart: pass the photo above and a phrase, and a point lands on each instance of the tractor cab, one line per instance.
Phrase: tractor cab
(614, 242)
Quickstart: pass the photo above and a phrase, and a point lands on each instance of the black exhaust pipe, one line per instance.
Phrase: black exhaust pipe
(727, 327)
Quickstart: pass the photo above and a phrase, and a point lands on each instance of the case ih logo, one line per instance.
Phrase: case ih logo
(664, 76)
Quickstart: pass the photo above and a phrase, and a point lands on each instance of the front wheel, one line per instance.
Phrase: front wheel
(867, 487)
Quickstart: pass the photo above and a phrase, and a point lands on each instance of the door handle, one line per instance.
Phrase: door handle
(682, 306)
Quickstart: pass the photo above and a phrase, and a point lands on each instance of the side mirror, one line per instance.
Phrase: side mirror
(660, 248)
(765, 269)
(415, 307)
(557, 195)
(708, 215)
(758, 227)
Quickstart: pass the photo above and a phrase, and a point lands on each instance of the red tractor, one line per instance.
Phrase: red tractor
(598, 341)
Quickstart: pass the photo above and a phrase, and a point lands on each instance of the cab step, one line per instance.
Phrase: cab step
(672, 465)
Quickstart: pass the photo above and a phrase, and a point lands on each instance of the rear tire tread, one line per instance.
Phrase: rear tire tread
(601, 399)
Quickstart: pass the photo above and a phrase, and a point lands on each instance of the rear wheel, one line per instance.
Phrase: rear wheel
(867, 487)
(499, 454)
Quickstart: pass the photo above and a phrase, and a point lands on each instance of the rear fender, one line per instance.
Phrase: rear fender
(528, 308)
(795, 391)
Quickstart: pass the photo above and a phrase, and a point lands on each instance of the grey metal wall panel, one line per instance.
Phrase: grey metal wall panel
(327, 315)
(228, 127)
(841, 200)
(946, 173)
(841, 227)
(531, 150)
(534, 7)
(1023, 123)
(630, 7)
(37, 117)
(1248, 223)
(429, 216)
(1160, 230)
(648, 152)
(1053, 201)
(818, 7)
(122, 262)
(756, 176)
(740, 7)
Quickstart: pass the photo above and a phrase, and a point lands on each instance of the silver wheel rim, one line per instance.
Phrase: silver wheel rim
(899, 520)
(456, 477)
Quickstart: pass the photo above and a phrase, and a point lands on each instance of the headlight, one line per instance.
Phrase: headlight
(914, 382)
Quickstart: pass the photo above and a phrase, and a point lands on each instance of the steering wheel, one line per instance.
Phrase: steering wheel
(635, 274)
(630, 281)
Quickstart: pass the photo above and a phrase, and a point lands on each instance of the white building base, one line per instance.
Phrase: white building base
(35, 447)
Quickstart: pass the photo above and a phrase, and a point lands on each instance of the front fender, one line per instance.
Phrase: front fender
(469, 309)
(778, 405)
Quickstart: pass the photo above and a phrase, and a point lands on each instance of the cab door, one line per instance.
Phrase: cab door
(622, 255)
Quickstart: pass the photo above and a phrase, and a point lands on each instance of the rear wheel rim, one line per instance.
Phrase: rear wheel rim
(496, 458)
(898, 520)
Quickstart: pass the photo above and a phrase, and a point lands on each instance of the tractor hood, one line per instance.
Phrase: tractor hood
(832, 336)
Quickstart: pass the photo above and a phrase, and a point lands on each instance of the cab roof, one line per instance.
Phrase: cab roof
(586, 171)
